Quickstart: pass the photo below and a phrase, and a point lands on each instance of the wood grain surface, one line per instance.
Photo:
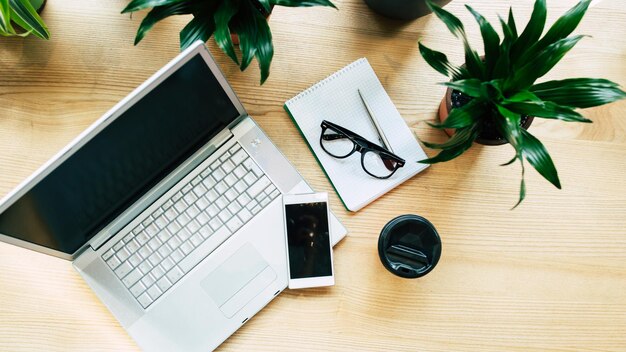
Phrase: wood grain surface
(549, 275)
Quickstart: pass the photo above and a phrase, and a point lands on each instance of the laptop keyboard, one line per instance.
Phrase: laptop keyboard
(189, 225)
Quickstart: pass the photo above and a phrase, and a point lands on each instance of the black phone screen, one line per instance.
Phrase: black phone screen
(308, 240)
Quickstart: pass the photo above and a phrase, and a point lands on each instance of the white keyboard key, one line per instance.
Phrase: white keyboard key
(221, 202)
(164, 236)
(154, 244)
(144, 300)
(234, 207)
(231, 195)
(144, 252)
(230, 180)
(148, 280)
(234, 223)
(174, 242)
(151, 230)
(212, 210)
(123, 270)
(243, 199)
(205, 249)
(108, 254)
(275, 193)
(228, 166)
(171, 214)
(180, 206)
(250, 178)
(218, 174)
(160, 222)
(224, 156)
(184, 235)
(221, 187)
(239, 156)
(199, 190)
(195, 180)
(167, 264)
(196, 240)
(212, 196)
(183, 219)
(265, 201)
(245, 215)
(137, 289)
(177, 255)
(241, 186)
(118, 245)
(202, 218)
(205, 231)
(165, 251)
(203, 202)
(215, 165)
(215, 223)
(173, 228)
(142, 238)
(132, 277)
(225, 215)
(146, 221)
(157, 272)
(186, 247)
(163, 284)
(155, 259)
(209, 182)
(234, 149)
(127, 238)
(113, 262)
(187, 188)
(154, 292)
(134, 259)
(258, 187)
(240, 171)
(190, 198)
(193, 226)
(123, 254)
(256, 209)
(175, 274)
(253, 203)
(145, 266)
(192, 211)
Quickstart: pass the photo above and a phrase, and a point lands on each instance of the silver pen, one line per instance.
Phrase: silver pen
(381, 135)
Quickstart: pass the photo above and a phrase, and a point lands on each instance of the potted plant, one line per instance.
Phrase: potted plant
(492, 99)
(20, 18)
(220, 18)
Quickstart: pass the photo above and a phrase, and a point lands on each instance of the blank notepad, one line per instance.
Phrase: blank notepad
(337, 100)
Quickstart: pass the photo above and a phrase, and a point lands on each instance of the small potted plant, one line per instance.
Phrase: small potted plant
(21, 18)
(220, 18)
(492, 99)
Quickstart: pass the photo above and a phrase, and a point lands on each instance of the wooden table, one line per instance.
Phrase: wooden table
(549, 275)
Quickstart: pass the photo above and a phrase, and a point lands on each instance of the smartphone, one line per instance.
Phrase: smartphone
(307, 237)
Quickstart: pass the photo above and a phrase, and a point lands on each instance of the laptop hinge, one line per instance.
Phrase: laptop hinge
(116, 225)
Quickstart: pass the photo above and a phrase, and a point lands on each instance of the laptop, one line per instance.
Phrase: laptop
(169, 206)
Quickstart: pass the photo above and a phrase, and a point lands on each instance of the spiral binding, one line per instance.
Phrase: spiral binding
(325, 80)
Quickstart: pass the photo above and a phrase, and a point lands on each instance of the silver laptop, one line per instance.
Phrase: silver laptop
(169, 207)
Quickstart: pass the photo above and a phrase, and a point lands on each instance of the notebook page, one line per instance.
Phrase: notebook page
(337, 100)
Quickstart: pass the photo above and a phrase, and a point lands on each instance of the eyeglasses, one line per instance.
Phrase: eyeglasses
(340, 143)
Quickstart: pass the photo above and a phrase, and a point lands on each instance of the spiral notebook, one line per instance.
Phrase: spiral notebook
(337, 100)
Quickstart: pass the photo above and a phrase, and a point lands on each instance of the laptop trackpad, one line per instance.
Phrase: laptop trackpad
(238, 279)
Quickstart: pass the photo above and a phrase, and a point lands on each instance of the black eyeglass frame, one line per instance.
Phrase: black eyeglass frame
(361, 145)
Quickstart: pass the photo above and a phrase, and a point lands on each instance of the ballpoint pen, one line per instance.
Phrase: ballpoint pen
(381, 135)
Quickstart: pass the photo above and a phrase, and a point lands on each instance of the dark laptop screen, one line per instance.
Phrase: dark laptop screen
(123, 161)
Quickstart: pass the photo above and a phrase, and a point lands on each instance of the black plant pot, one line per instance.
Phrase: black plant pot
(402, 9)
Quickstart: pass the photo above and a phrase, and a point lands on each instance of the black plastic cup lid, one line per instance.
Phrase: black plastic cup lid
(409, 246)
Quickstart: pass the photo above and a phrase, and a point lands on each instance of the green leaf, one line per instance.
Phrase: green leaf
(533, 30)
(491, 41)
(23, 13)
(197, 29)
(302, 3)
(267, 7)
(255, 38)
(161, 12)
(474, 65)
(546, 109)
(452, 152)
(522, 96)
(509, 126)
(439, 61)
(541, 64)
(559, 30)
(464, 116)
(511, 23)
(579, 92)
(223, 15)
(5, 18)
(459, 137)
(538, 157)
(522, 187)
(471, 86)
(137, 5)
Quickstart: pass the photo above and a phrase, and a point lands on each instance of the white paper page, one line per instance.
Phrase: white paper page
(337, 100)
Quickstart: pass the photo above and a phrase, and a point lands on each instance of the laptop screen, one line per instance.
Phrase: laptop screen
(123, 161)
